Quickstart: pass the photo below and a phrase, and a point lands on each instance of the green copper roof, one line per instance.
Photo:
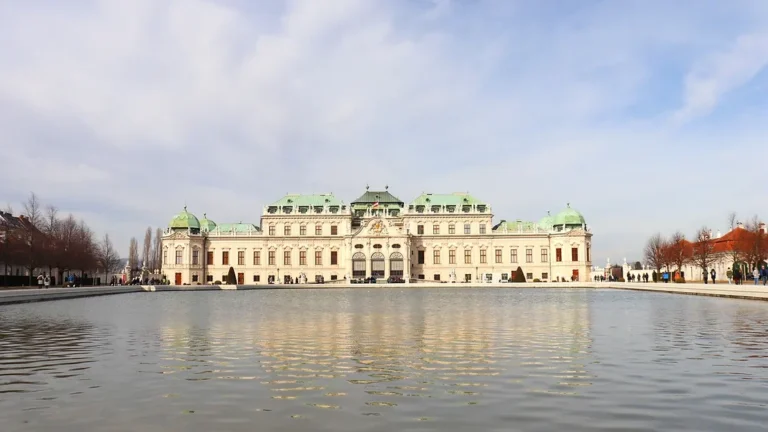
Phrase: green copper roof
(184, 220)
(569, 216)
(516, 226)
(207, 224)
(383, 197)
(455, 199)
(236, 228)
(547, 221)
(298, 200)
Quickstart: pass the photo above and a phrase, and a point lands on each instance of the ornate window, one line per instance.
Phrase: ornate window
(452, 256)
(396, 264)
(498, 256)
(377, 265)
(358, 264)
(436, 256)
(318, 229)
(452, 229)
(467, 256)
(256, 258)
(240, 258)
(287, 257)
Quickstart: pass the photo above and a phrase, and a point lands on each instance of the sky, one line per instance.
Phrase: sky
(646, 116)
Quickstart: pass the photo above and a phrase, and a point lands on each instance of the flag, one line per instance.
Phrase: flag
(376, 204)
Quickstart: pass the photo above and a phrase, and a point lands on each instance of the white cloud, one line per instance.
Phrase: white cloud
(109, 110)
(722, 72)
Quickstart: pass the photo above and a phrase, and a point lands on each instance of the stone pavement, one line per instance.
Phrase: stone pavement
(746, 291)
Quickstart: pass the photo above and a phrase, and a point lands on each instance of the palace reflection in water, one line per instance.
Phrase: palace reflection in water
(385, 359)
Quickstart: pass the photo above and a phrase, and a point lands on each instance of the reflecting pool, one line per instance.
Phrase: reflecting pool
(385, 359)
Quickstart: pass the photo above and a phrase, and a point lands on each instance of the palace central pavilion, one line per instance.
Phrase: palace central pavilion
(435, 237)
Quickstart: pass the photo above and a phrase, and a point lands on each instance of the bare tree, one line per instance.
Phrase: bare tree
(33, 211)
(133, 254)
(734, 245)
(158, 250)
(654, 252)
(703, 249)
(147, 247)
(679, 251)
(755, 245)
(108, 258)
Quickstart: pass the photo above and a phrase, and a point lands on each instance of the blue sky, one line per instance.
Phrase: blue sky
(645, 115)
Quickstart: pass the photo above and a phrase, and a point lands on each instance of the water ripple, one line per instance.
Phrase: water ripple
(458, 359)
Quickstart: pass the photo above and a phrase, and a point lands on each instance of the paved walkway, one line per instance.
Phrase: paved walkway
(746, 291)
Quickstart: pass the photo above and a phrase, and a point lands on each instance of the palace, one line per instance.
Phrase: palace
(435, 237)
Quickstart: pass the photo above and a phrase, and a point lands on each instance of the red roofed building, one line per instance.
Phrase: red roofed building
(729, 251)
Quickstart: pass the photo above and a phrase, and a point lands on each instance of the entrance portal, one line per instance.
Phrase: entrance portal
(358, 265)
(396, 265)
(177, 280)
(377, 265)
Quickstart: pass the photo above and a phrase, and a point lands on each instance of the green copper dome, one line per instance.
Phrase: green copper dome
(184, 220)
(570, 217)
(546, 222)
(206, 224)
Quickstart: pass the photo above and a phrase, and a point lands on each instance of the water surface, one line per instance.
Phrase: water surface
(385, 360)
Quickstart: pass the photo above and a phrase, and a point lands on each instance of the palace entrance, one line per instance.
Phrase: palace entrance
(377, 265)
(358, 265)
(396, 265)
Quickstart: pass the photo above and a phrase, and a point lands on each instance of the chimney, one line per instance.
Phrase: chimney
(739, 225)
(761, 227)
(718, 234)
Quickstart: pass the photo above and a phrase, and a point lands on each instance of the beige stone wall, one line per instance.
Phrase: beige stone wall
(376, 235)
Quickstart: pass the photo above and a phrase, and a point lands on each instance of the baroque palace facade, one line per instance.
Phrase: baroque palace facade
(436, 237)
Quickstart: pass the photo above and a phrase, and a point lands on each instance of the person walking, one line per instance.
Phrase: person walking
(764, 274)
(47, 282)
(729, 275)
(713, 274)
(705, 277)
(756, 275)
(40, 280)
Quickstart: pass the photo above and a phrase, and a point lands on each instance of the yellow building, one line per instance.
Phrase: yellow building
(436, 237)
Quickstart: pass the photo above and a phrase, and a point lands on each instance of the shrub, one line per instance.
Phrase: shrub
(217, 283)
(231, 278)
(518, 276)
(621, 279)
(537, 280)
(680, 280)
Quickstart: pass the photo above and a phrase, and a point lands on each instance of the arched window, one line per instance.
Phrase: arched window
(396, 264)
(377, 265)
(358, 265)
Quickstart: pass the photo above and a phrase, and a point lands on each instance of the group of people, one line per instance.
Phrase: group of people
(45, 281)
(757, 275)
(637, 277)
